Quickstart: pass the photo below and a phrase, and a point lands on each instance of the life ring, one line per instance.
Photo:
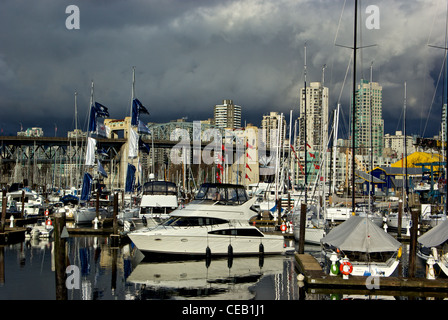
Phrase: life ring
(343, 268)
(283, 227)
(48, 222)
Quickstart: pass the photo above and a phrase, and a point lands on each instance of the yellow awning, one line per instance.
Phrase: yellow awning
(419, 157)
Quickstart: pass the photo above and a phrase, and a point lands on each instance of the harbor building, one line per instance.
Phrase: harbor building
(368, 119)
(316, 116)
(31, 132)
(227, 115)
(315, 99)
(394, 144)
(272, 124)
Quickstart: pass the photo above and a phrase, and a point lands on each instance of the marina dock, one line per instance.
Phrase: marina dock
(315, 277)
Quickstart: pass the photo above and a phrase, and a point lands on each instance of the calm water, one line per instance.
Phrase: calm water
(118, 274)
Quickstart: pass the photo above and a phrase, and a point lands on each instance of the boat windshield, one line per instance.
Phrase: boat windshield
(222, 193)
(159, 188)
(192, 221)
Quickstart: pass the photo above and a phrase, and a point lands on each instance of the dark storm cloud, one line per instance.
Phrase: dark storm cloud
(189, 55)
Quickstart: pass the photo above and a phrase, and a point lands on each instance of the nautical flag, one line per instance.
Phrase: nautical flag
(312, 155)
(133, 144)
(96, 110)
(308, 145)
(316, 166)
(101, 129)
(130, 178)
(220, 167)
(143, 128)
(101, 111)
(101, 151)
(90, 152)
(86, 187)
(247, 155)
(143, 146)
(137, 108)
(247, 166)
(247, 177)
(220, 157)
(101, 169)
(248, 145)
(218, 177)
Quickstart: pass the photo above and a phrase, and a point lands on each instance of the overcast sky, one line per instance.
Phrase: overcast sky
(191, 54)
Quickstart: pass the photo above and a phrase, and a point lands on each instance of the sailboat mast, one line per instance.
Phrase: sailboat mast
(354, 105)
(371, 136)
(405, 150)
(132, 91)
(306, 142)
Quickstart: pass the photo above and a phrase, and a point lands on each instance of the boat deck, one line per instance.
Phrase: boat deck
(316, 277)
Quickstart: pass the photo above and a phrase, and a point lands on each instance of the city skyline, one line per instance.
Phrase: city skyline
(189, 56)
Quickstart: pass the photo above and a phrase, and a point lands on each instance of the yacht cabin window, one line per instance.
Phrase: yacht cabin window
(227, 194)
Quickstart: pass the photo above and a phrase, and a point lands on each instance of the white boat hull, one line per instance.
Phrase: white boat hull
(380, 269)
(312, 235)
(194, 241)
(373, 268)
(87, 215)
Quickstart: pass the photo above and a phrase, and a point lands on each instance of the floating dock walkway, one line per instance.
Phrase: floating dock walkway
(315, 277)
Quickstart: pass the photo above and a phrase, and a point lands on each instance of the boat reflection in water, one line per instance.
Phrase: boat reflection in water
(223, 278)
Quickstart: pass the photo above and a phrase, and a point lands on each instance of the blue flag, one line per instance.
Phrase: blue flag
(96, 110)
(130, 178)
(137, 108)
(101, 169)
(86, 187)
(101, 110)
(143, 128)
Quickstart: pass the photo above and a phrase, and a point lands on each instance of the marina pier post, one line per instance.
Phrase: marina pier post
(4, 200)
(301, 249)
(115, 237)
(60, 256)
(413, 244)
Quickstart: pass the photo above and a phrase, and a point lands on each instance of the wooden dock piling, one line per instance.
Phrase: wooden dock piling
(60, 256)
(115, 237)
(301, 248)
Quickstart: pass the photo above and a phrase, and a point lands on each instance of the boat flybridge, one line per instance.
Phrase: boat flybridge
(216, 222)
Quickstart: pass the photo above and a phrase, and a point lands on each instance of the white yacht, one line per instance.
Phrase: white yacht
(216, 222)
(33, 202)
(159, 199)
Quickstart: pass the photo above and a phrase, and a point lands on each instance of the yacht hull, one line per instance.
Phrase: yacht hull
(187, 243)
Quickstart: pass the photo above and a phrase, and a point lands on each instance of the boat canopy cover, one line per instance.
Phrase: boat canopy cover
(362, 235)
(230, 193)
(159, 188)
(435, 236)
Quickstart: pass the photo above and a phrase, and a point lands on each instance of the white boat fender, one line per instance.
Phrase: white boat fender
(434, 253)
(48, 223)
(95, 223)
(144, 221)
(261, 249)
(334, 269)
(11, 221)
(430, 274)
